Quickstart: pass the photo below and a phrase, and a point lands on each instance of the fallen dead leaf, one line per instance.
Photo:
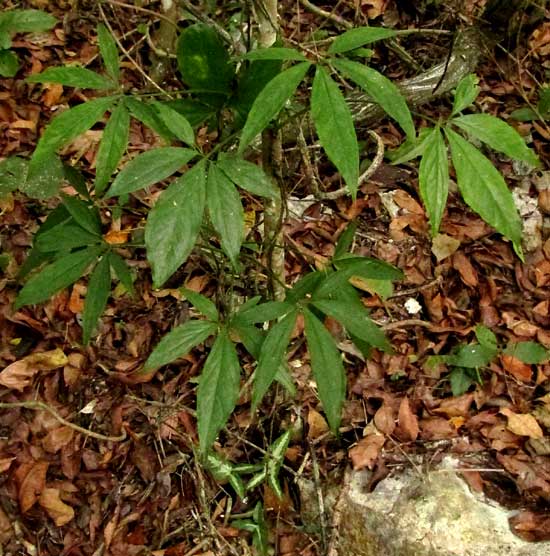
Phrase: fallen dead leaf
(57, 438)
(60, 512)
(465, 269)
(520, 370)
(114, 237)
(317, 425)
(444, 246)
(522, 424)
(408, 421)
(365, 452)
(384, 419)
(32, 485)
(6, 530)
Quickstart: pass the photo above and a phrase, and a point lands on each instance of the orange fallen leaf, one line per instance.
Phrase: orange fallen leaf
(520, 370)
(57, 438)
(60, 512)
(384, 419)
(408, 421)
(114, 237)
(365, 452)
(317, 425)
(522, 424)
(32, 485)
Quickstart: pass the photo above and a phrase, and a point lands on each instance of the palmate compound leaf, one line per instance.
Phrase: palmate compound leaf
(327, 367)
(122, 272)
(174, 223)
(218, 389)
(58, 275)
(354, 38)
(484, 189)
(226, 212)
(334, 125)
(109, 52)
(148, 168)
(97, 295)
(113, 144)
(381, 90)
(433, 177)
(179, 342)
(270, 102)
(498, 135)
(73, 76)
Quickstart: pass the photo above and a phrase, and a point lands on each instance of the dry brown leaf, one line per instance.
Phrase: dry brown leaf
(57, 438)
(317, 425)
(6, 530)
(365, 452)
(32, 485)
(444, 246)
(522, 424)
(60, 512)
(465, 269)
(19, 374)
(408, 421)
(114, 237)
(384, 419)
(458, 406)
(520, 370)
(5, 464)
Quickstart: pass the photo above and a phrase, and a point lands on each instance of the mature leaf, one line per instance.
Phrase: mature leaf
(146, 114)
(270, 102)
(486, 337)
(433, 177)
(218, 390)
(179, 342)
(345, 241)
(305, 286)
(70, 124)
(531, 353)
(265, 312)
(327, 367)
(44, 176)
(149, 168)
(176, 122)
(174, 223)
(85, 216)
(203, 60)
(466, 93)
(113, 144)
(498, 135)
(72, 76)
(13, 173)
(543, 105)
(461, 380)
(272, 355)
(26, 21)
(356, 321)
(202, 304)
(65, 237)
(122, 272)
(97, 295)
(109, 52)
(369, 268)
(334, 125)
(57, 276)
(9, 63)
(524, 114)
(5, 39)
(275, 53)
(226, 212)
(382, 91)
(484, 189)
(248, 176)
(354, 38)
(472, 356)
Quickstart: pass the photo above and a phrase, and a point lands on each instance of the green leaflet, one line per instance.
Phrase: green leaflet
(72, 76)
(531, 353)
(328, 370)
(176, 122)
(13, 172)
(218, 390)
(202, 304)
(113, 144)
(85, 216)
(226, 212)
(149, 168)
(472, 356)
(264, 312)
(334, 125)
(120, 268)
(466, 93)
(276, 53)
(179, 342)
(433, 177)
(485, 337)
(498, 135)
(44, 176)
(354, 38)
(270, 102)
(345, 241)
(272, 355)
(484, 189)
(26, 21)
(97, 295)
(9, 63)
(248, 176)
(146, 114)
(56, 276)
(275, 460)
(109, 52)
(174, 223)
(65, 237)
(382, 91)
(68, 125)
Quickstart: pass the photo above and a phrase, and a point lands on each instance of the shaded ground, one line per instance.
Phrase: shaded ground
(64, 492)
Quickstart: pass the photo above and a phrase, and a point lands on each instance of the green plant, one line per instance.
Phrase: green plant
(541, 111)
(19, 21)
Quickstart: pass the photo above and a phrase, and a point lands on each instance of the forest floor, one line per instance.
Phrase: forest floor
(65, 492)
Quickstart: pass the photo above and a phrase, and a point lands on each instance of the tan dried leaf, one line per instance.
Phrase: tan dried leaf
(444, 246)
(317, 426)
(408, 421)
(465, 269)
(365, 452)
(32, 485)
(60, 512)
(384, 419)
(522, 424)
(57, 438)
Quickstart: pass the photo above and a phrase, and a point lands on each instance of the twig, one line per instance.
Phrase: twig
(405, 323)
(196, 12)
(140, 9)
(328, 15)
(41, 406)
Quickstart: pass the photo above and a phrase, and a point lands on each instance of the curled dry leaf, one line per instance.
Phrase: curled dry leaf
(19, 374)
(458, 406)
(60, 512)
(365, 452)
(317, 426)
(522, 424)
(465, 269)
(32, 484)
(408, 422)
(384, 419)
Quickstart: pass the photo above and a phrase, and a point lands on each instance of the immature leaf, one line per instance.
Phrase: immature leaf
(270, 102)
(148, 168)
(248, 176)
(72, 76)
(276, 53)
(174, 223)
(146, 114)
(113, 144)
(202, 304)
(226, 212)
(498, 135)
(97, 295)
(265, 312)
(354, 38)
(345, 241)
(531, 353)
(411, 148)
(56, 276)
(122, 272)
(327, 367)
(9, 63)
(26, 21)
(176, 122)
(65, 237)
(382, 91)
(84, 216)
(218, 390)
(466, 93)
(70, 124)
(179, 342)
(109, 51)
(356, 321)
(433, 177)
(484, 189)
(275, 460)
(272, 355)
(334, 125)
(486, 337)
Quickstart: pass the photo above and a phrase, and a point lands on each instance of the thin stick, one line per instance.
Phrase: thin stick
(140, 9)
(328, 15)
(41, 406)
